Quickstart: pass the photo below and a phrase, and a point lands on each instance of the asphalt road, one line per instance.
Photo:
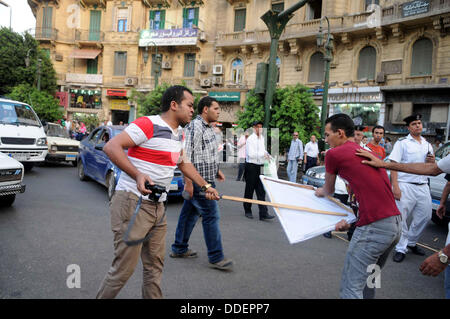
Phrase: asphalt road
(60, 221)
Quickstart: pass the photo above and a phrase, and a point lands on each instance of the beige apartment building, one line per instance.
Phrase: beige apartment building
(390, 58)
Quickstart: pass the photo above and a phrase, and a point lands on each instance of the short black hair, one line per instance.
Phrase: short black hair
(257, 122)
(359, 128)
(388, 139)
(378, 127)
(342, 121)
(173, 93)
(205, 101)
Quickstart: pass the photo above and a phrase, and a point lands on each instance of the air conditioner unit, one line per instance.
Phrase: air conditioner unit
(217, 80)
(167, 65)
(205, 83)
(218, 69)
(202, 36)
(58, 57)
(131, 81)
(203, 68)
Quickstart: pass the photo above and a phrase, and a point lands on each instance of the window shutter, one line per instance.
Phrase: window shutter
(184, 17)
(94, 25)
(316, 67)
(196, 15)
(130, 10)
(367, 63)
(239, 20)
(162, 20)
(422, 57)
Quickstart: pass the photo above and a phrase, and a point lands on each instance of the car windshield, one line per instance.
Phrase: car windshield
(11, 113)
(57, 131)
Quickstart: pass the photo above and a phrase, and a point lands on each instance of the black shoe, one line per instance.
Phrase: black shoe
(267, 217)
(248, 215)
(416, 250)
(327, 235)
(398, 257)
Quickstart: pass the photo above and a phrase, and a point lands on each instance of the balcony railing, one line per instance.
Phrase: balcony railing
(89, 36)
(44, 33)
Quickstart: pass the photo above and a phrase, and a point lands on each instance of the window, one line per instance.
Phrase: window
(189, 64)
(237, 70)
(424, 109)
(157, 19)
(422, 57)
(370, 2)
(316, 67)
(278, 7)
(190, 17)
(47, 22)
(94, 26)
(122, 20)
(314, 10)
(239, 19)
(92, 66)
(120, 63)
(367, 63)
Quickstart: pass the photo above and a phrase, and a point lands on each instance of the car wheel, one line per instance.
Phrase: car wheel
(7, 200)
(74, 163)
(111, 184)
(81, 173)
(28, 166)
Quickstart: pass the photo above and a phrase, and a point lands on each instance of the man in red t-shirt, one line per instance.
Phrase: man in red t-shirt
(379, 222)
(374, 145)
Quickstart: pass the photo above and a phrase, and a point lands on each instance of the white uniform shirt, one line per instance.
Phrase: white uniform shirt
(408, 150)
(444, 165)
(255, 149)
(311, 149)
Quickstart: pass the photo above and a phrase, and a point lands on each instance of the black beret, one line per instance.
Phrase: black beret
(412, 118)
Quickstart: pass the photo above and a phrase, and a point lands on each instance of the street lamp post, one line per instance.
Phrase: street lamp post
(10, 12)
(328, 44)
(276, 22)
(157, 62)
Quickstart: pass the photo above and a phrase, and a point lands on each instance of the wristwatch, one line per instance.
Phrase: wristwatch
(443, 258)
(205, 187)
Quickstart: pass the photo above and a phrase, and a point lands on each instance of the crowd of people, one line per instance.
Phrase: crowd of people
(157, 144)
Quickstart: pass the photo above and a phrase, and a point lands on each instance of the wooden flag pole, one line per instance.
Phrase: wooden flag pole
(259, 202)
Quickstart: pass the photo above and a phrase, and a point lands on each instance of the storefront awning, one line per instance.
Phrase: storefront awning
(84, 54)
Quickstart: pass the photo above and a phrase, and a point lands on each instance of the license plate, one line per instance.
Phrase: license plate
(19, 157)
(71, 157)
(174, 186)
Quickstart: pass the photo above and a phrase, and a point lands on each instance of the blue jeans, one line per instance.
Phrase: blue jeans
(447, 282)
(191, 211)
(292, 170)
(370, 245)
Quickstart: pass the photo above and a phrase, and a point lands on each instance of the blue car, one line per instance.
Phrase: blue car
(94, 164)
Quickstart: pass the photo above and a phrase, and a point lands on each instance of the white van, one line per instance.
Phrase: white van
(22, 134)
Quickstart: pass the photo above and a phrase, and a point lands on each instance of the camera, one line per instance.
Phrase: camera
(157, 191)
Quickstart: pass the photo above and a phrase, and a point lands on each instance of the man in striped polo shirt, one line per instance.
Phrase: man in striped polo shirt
(154, 146)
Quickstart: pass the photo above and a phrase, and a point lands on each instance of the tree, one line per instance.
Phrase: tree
(13, 70)
(150, 103)
(44, 104)
(293, 110)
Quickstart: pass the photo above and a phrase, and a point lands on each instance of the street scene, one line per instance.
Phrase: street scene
(257, 149)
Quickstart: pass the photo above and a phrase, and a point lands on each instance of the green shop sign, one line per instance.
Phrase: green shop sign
(226, 96)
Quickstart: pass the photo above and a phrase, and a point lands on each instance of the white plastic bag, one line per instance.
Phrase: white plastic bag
(270, 168)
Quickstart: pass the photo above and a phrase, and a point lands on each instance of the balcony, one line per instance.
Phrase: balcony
(89, 37)
(399, 13)
(91, 3)
(158, 3)
(186, 3)
(80, 78)
(44, 34)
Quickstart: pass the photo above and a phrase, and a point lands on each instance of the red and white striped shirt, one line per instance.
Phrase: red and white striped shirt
(157, 151)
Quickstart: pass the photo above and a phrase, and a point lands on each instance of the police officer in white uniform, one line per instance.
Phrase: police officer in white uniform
(411, 191)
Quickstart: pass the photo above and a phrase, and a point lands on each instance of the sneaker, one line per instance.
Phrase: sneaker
(224, 264)
(188, 254)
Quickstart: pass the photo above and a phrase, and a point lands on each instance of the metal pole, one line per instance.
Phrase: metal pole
(39, 74)
(271, 81)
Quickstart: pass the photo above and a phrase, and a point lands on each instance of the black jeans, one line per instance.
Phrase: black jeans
(253, 183)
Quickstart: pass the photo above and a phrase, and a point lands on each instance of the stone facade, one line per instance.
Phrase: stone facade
(229, 58)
